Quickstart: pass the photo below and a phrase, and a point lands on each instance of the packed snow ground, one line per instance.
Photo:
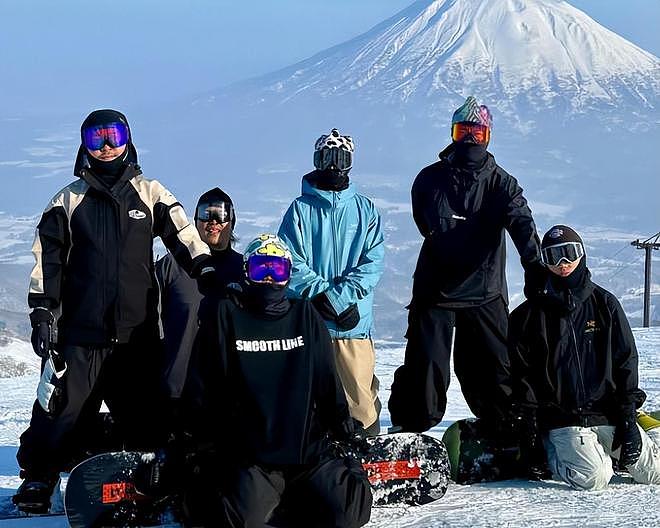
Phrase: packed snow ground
(511, 503)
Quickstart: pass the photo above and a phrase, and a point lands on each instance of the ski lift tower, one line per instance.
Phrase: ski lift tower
(647, 245)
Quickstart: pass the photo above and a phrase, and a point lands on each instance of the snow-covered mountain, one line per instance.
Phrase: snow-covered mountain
(522, 56)
(551, 75)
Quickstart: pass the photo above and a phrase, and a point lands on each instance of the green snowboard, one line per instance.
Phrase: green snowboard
(473, 458)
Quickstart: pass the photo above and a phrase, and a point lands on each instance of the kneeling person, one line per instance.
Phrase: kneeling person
(264, 370)
(574, 368)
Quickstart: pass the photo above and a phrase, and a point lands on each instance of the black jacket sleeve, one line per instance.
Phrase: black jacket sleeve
(206, 381)
(418, 194)
(520, 353)
(328, 391)
(51, 248)
(519, 222)
(624, 360)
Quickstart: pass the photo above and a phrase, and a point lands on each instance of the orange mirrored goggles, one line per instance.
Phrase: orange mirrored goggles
(480, 133)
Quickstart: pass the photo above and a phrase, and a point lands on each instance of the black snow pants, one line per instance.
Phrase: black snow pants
(418, 399)
(125, 376)
(333, 494)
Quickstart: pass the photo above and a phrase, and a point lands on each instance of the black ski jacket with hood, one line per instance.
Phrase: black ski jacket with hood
(462, 215)
(94, 259)
(573, 357)
(271, 383)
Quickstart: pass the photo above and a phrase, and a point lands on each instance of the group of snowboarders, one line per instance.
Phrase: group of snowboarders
(255, 373)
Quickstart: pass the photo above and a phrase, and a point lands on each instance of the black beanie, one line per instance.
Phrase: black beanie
(104, 117)
(217, 194)
(560, 234)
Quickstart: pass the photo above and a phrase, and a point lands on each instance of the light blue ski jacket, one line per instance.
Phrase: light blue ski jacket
(337, 245)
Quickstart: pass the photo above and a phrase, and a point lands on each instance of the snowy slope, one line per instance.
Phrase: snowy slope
(511, 504)
(520, 55)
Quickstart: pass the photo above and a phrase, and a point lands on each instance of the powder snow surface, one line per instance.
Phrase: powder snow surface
(512, 503)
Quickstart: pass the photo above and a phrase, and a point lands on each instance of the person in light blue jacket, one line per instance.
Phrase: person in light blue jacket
(336, 240)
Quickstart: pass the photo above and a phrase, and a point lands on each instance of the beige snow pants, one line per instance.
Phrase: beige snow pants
(356, 361)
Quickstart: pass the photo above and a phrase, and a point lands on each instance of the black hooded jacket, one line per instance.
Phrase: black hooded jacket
(94, 259)
(573, 357)
(263, 384)
(462, 215)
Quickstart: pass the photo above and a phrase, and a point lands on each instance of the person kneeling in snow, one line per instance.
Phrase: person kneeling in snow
(263, 402)
(574, 368)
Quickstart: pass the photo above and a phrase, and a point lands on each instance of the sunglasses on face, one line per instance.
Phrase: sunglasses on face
(480, 133)
(568, 252)
(260, 267)
(113, 134)
(219, 211)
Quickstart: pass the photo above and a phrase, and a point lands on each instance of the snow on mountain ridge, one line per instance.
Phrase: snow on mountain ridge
(544, 50)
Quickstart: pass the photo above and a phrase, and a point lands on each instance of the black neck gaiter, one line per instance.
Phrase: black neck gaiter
(108, 172)
(470, 156)
(573, 281)
(330, 180)
(266, 300)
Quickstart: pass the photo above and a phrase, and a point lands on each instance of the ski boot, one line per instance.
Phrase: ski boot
(34, 494)
(650, 424)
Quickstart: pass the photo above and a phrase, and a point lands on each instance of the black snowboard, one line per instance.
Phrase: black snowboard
(407, 468)
(101, 492)
(474, 457)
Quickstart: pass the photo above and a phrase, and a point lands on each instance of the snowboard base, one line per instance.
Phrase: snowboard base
(408, 468)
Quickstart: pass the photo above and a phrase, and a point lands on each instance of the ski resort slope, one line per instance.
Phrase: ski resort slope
(511, 504)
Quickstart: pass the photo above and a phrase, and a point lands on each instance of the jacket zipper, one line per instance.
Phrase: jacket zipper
(579, 363)
(334, 234)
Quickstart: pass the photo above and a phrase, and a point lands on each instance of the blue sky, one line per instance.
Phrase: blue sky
(72, 55)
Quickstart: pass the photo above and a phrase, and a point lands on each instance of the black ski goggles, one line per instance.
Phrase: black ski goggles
(333, 158)
(221, 212)
(568, 252)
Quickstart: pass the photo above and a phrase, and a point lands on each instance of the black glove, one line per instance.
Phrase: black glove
(627, 436)
(532, 452)
(536, 277)
(324, 308)
(155, 476)
(42, 324)
(353, 437)
(208, 283)
(349, 318)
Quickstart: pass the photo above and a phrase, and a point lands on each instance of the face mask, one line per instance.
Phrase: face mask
(468, 153)
(331, 180)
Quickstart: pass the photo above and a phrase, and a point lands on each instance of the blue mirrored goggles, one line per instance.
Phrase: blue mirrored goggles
(260, 267)
(114, 135)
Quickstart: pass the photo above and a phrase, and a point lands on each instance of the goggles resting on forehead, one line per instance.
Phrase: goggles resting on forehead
(568, 251)
(480, 133)
(259, 267)
(337, 158)
(221, 212)
(113, 134)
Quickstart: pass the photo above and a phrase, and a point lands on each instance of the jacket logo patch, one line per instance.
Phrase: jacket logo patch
(590, 327)
(136, 214)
